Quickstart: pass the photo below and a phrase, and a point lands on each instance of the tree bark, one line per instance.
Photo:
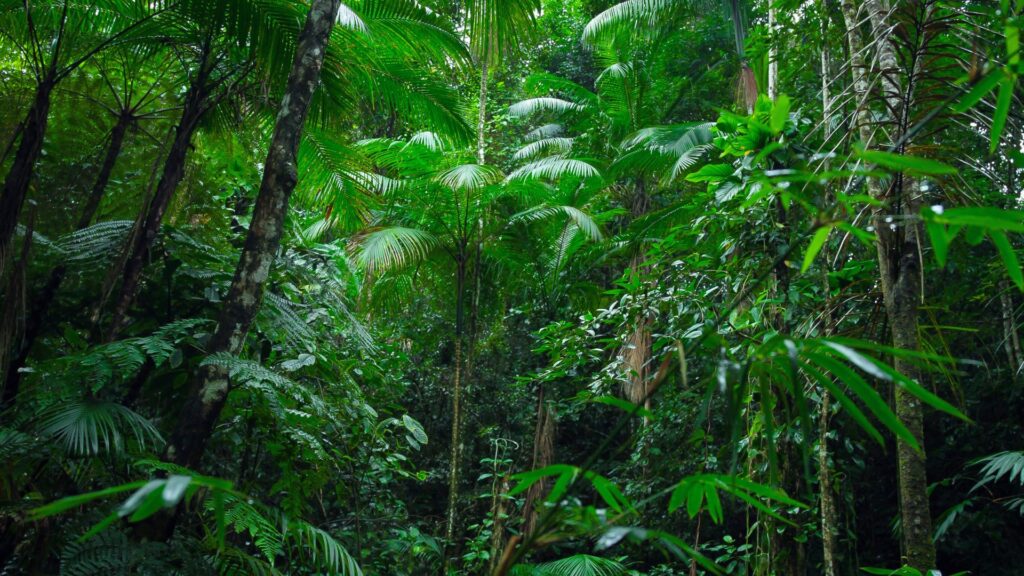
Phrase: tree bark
(827, 498)
(210, 391)
(99, 187)
(900, 275)
(14, 313)
(19, 177)
(455, 454)
(41, 305)
(773, 54)
(543, 455)
(142, 238)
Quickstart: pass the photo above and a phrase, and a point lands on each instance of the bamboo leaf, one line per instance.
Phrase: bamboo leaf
(909, 164)
(815, 246)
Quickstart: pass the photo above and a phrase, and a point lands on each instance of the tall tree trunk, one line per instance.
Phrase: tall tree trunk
(19, 177)
(773, 53)
(13, 312)
(1011, 342)
(142, 238)
(99, 187)
(455, 453)
(900, 276)
(543, 455)
(827, 498)
(210, 391)
(41, 305)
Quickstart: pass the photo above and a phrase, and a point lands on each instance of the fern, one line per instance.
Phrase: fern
(96, 244)
(244, 518)
(323, 549)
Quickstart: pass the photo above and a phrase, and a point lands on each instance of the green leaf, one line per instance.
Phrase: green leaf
(815, 246)
(859, 360)
(780, 113)
(1009, 257)
(711, 173)
(714, 504)
(923, 393)
(526, 479)
(909, 164)
(1002, 110)
(980, 89)
(624, 405)
(868, 395)
(415, 428)
(847, 404)
(65, 504)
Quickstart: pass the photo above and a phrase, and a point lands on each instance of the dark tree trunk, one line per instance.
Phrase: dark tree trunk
(20, 176)
(41, 305)
(146, 232)
(12, 331)
(99, 187)
(202, 408)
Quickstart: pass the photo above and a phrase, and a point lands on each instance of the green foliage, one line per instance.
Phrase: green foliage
(664, 291)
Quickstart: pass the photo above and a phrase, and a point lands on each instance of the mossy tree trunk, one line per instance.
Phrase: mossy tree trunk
(212, 384)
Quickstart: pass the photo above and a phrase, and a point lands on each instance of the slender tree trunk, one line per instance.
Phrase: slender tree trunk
(41, 305)
(481, 121)
(827, 498)
(543, 455)
(19, 177)
(455, 454)
(1011, 343)
(188, 441)
(773, 54)
(142, 238)
(498, 503)
(900, 276)
(99, 187)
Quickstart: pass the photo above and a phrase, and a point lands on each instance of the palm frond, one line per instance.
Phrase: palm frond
(395, 247)
(469, 177)
(90, 427)
(555, 145)
(631, 14)
(545, 131)
(544, 103)
(554, 167)
(579, 218)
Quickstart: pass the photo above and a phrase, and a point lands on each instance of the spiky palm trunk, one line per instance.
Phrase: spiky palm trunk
(210, 391)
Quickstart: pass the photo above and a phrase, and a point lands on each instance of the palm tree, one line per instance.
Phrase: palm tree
(441, 208)
(374, 53)
(643, 16)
